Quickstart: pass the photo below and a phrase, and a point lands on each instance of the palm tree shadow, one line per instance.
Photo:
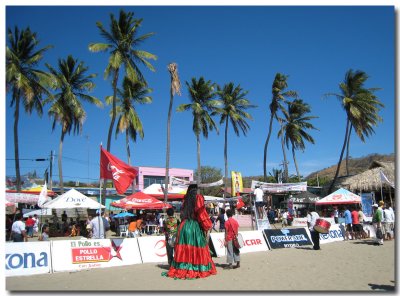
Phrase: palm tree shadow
(382, 287)
(163, 266)
(305, 248)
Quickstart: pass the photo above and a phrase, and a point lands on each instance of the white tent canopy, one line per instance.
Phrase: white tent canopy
(72, 199)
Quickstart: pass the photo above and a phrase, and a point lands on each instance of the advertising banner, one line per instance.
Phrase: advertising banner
(27, 258)
(299, 222)
(287, 238)
(253, 242)
(94, 253)
(336, 233)
(279, 187)
(152, 249)
(367, 199)
(237, 184)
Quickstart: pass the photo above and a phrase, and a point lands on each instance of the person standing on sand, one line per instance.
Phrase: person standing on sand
(259, 202)
(377, 221)
(348, 221)
(221, 220)
(231, 230)
(192, 257)
(18, 230)
(312, 217)
(170, 231)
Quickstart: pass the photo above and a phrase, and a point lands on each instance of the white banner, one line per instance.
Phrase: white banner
(27, 258)
(253, 242)
(279, 187)
(335, 235)
(152, 249)
(70, 255)
(299, 222)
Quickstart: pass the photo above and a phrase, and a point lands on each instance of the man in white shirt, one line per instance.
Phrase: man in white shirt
(388, 222)
(284, 218)
(18, 230)
(99, 226)
(259, 202)
(312, 217)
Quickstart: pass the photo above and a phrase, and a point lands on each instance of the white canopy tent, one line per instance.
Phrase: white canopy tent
(72, 199)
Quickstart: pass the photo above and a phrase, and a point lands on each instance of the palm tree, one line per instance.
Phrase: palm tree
(175, 88)
(279, 96)
(234, 106)
(122, 42)
(201, 94)
(361, 107)
(72, 83)
(293, 131)
(26, 83)
(132, 92)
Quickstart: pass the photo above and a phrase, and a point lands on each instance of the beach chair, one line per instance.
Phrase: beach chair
(123, 230)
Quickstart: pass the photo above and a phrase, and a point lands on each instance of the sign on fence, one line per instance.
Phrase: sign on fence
(27, 258)
(152, 249)
(94, 253)
(287, 238)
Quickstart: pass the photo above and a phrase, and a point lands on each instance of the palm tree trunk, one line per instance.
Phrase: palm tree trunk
(266, 147)
(166, 182)
(110, 130)
(295, 163)
(198, 160)
(226, 156)
(60, 161)
(348, 151)
(16, 146)
(285, 162)
(341, 157)
(128, 152)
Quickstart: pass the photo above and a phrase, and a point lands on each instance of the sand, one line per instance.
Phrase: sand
(338, 266)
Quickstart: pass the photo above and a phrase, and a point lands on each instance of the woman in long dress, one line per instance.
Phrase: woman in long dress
(192, 257)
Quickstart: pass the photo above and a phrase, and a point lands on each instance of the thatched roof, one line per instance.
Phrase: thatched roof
(370, 180)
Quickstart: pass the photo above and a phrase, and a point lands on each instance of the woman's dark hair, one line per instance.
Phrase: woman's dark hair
(189, 203)
(170, 212)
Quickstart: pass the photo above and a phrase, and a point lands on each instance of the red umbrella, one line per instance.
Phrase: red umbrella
(140, 201)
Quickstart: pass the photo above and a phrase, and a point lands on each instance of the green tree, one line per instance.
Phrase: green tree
(234, 109)
(361, 106)
(208, 175)
(24, 80)
(295, 126)
(122, 43)
(72, 85)
(132, 92)
(202, 105)
(175, 88)
(279, 95)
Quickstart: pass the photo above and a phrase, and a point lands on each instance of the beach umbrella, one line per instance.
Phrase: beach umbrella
(124, 215)
(139, 201)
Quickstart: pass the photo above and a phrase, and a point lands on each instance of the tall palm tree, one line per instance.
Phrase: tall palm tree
(279, 95)
(26, 83)
(295, 124)
(122, 43)
(72, 85)
(361, 107)
(234, 106)
(201, 94)
(132, 92)
(175, 88)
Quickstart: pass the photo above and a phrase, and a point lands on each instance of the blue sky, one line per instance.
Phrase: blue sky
(314, 45)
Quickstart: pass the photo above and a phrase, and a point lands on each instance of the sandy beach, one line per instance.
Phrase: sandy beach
(339, 266)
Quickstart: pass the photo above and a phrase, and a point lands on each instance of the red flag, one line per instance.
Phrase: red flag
(240, 203)
(113, 168)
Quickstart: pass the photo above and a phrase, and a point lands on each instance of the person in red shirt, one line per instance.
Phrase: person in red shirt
(356, 224)
(29, 225)
(231, 230)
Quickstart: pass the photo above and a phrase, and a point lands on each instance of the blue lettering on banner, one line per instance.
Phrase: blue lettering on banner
(332, 234)
(26, 260)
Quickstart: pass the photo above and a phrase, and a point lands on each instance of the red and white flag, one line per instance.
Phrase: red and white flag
(115, 169)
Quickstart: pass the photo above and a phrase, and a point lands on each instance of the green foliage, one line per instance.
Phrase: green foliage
(208, 175)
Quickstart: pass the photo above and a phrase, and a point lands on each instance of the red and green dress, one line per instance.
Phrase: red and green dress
(192, 257)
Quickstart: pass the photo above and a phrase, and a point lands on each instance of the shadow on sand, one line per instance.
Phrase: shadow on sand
(382, 287)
